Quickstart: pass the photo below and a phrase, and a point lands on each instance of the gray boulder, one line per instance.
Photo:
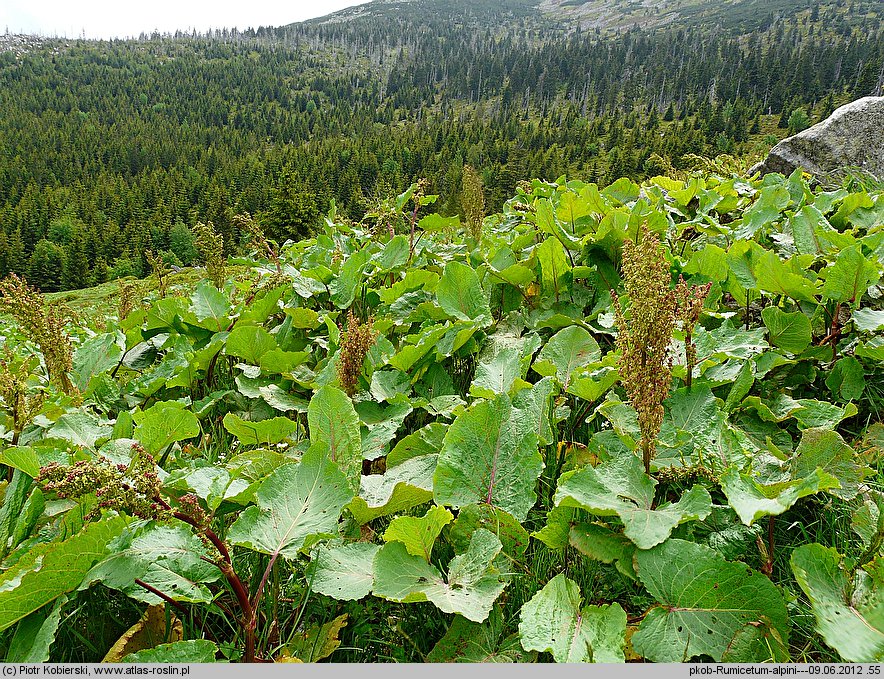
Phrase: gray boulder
(852, 137)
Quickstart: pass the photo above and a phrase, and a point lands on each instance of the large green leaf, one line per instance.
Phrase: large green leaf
(344, 286)
(210, 306)
(260, 432)
(333, 421)
(163, 424)
(497, 369)
(250, 343)
(570, 348)
(621, 488)
(553, 621)
(192, 651)
(752, 499)
(850, 276)
(296, 502)
(35, 634)
(419, 534)
(165, 557)
(553, 267)
(788, 331)
(81, 429)
(772, 200)
(344, 572)
(489, 455)
(471, 588)
(775, 276)
(460, 294)
(397, 490)
(52, 569)
(705, 603)
(849, 612)
(467, 641)
(600, 542)
(95, 356)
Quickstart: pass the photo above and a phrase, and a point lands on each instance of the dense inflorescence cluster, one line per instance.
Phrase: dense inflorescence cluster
(643, 339)
(43, 324)
(210, 245)
(132, 489)
(20, 401)
(355, 344)
(689, 305)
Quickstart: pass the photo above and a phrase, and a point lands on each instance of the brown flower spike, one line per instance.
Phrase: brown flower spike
(355, 344)
(643, 339)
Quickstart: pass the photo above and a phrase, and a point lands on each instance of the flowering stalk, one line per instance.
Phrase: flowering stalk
(43, 324)
(355, 345)
(689, 306)
(643, 338)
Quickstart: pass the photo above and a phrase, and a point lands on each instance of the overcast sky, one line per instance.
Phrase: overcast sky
(122, 18)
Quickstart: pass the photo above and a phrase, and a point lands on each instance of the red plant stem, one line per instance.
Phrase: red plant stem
(267, 570)
(249, 620)
(162, 595)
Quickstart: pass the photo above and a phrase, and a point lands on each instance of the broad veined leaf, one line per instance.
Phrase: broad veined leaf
(847, 379)
(35, 634)
(400, 488)
(164, 424)
(191, 651)
(471, 588)
(766, 209)
(788, 331)
(425, 441)
(467, 641)
(497, 369)
(555, 534)
(343, 572)
(553, 267)
(537, 404)
(419, 534)
(296, 502)
(81, 429)
(95, 356)
(824, 449)
(343, 287)
(705, 602)
(850, 276)
(333, 421)
(512, 535)
(52, 569)
(260, 432)
(621, 488)
(460, 294)
(165, 557)
(567, 350)
(210, 306)
(751, 499)
(602, 543)
(553, 621)
(849, 613)
(250, 343)
(774, 276)
(489, 455)
(216, 484)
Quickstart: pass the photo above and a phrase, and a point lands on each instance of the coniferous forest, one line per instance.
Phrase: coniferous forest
(110, 149)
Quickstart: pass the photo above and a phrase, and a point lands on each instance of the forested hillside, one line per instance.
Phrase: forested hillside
(111, 149)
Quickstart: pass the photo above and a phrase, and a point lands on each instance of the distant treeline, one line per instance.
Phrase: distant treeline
(108, 149)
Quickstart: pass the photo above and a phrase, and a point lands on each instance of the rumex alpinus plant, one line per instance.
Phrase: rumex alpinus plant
(643, 339)
(159, 269)
(689, 305)
(21, 402)
(43, 324)
(258, 240)
(126, 298)
(135, 489)
(354, 347)
(473, 201)
(210, 245)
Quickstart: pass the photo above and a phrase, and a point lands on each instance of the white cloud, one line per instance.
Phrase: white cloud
(112, 18)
